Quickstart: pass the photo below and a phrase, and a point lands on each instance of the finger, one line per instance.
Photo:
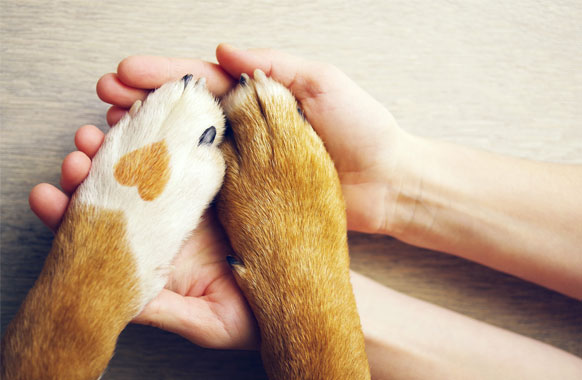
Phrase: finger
(88, 139)
(189, 317)
(49, 204)
(74, 170)
(113, 91)
(148, 72)
(300, 76)
(114, 114)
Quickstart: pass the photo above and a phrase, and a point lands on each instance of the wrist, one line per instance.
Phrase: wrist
(487, 208)
(404, 178)
(428, 194)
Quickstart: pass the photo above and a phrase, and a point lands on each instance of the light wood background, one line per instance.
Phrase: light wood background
(502, 76)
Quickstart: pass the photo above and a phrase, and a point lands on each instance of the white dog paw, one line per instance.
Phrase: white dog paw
(161, 167)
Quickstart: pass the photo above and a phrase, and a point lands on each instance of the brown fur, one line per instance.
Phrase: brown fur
(69, 322)
(282, 207)
(147, 168)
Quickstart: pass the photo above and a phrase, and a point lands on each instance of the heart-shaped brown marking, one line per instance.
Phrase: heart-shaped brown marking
(147, 168)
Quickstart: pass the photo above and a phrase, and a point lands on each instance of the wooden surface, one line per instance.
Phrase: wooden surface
(502, 76)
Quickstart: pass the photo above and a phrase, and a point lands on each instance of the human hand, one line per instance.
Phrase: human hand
(201, 301)
(337, 108)
(360, 134)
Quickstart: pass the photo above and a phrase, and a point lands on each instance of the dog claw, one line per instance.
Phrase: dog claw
(201, 82)
(134, 108)
(244, 78)
(259, 74)
(300, 111)
(208, 136)
(232, 261)
(187, 78)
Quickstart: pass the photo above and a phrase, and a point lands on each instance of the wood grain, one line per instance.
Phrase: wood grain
(499, 76)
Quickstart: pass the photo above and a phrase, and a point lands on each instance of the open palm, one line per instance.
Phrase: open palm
(201, 301)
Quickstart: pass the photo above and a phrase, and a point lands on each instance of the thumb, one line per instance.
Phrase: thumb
(189, 317)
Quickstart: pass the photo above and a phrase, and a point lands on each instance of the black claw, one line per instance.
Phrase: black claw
(243, 79)
(207, 136)
(300, 111)
(232, 261)
(187, 78)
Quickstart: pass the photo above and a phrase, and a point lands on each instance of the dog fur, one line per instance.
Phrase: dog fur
(283, 211)
(157, 171)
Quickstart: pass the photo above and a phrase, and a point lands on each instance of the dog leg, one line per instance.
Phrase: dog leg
(157, 171)
(283, 211)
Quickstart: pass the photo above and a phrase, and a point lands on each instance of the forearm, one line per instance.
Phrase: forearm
(410, 339)
(517, 216)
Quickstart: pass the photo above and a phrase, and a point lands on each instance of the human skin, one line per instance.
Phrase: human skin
(405, 338)
(516, 216)
(383, 169)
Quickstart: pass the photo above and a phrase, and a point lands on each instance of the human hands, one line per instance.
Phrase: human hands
(360, 134)
(201, 301)
(338, 109)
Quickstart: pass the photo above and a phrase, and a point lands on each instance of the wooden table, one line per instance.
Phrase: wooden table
(495, 75)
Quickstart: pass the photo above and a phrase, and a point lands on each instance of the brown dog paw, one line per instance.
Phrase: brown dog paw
(282, 208)
(281, 192)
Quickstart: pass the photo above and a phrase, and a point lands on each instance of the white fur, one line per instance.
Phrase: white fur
(157, 229)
